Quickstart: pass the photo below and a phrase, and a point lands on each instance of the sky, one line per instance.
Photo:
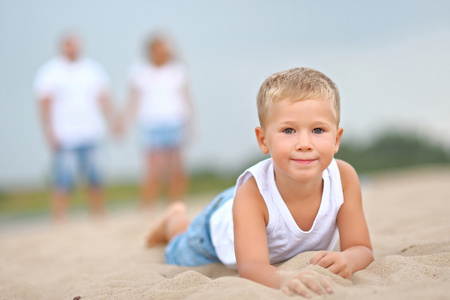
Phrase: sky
(390, 60)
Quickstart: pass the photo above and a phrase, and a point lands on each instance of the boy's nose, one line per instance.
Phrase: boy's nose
(303, 142)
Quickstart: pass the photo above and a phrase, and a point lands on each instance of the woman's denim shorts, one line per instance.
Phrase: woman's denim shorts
(194, 247)
(163, 136)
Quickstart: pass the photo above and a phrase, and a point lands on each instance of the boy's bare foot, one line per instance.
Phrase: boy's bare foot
(159, 233)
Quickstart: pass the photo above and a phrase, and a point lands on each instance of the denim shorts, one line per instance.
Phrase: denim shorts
(70, 161)
(194, 247)
(163, 136)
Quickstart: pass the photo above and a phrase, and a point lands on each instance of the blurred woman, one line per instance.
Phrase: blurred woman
(159, 98)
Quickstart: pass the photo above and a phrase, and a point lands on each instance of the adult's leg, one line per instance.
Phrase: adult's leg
(151, 182)
(177, 176)
(59, 205)
(64, 165)
(89, 161)
(96, 201)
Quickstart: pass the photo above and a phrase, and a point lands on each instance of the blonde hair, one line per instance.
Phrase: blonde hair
(297, 84)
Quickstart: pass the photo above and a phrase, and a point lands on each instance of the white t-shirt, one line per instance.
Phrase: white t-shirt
(161, 92)
(285, 239)
(74, 88)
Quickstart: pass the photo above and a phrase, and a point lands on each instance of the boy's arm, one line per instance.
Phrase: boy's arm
(356, 249)
(250, 240)
(250, 218)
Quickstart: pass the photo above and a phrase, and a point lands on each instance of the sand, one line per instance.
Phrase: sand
(407, 213)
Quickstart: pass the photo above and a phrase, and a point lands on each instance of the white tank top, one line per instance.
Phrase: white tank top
(285, 239)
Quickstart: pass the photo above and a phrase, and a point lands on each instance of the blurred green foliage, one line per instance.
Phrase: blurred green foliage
(386, 152)
(392, 151)
(34, 202)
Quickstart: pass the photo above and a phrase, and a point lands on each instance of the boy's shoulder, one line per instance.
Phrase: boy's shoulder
(248, 198)
(260, 171)
(347, 172)
(344, 167)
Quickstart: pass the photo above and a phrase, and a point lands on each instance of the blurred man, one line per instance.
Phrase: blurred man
(74, 101)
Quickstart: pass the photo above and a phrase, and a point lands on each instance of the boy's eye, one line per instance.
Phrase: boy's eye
(289, 130)
(317, 130)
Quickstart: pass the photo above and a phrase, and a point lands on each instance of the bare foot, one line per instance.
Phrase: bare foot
(159, 234)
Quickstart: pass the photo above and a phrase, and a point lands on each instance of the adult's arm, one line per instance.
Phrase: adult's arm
(45, 107)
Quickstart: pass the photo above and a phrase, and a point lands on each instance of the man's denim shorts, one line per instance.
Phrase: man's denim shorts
(70, 161)
(194, 247)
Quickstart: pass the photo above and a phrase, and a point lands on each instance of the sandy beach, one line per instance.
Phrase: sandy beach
(407, 212)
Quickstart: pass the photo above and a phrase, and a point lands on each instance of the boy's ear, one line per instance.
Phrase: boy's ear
(338, 139)
(261, 138)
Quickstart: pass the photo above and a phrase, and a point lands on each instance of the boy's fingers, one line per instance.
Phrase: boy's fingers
(313, 283)
(325, 284)
(285, 289)
(299, 288)
(318, 283)
(345, 274)
(325, 261)
(334, 268)
(317, 258)
(306, 284)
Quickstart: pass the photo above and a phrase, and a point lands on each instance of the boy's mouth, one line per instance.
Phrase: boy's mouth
(304, 161)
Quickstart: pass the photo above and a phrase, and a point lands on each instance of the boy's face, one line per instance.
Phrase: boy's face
(302, 138)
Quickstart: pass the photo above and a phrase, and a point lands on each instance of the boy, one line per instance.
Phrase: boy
(295, 201)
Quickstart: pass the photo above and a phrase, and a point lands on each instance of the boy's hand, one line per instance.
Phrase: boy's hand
(336, 262)
(305, 283)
